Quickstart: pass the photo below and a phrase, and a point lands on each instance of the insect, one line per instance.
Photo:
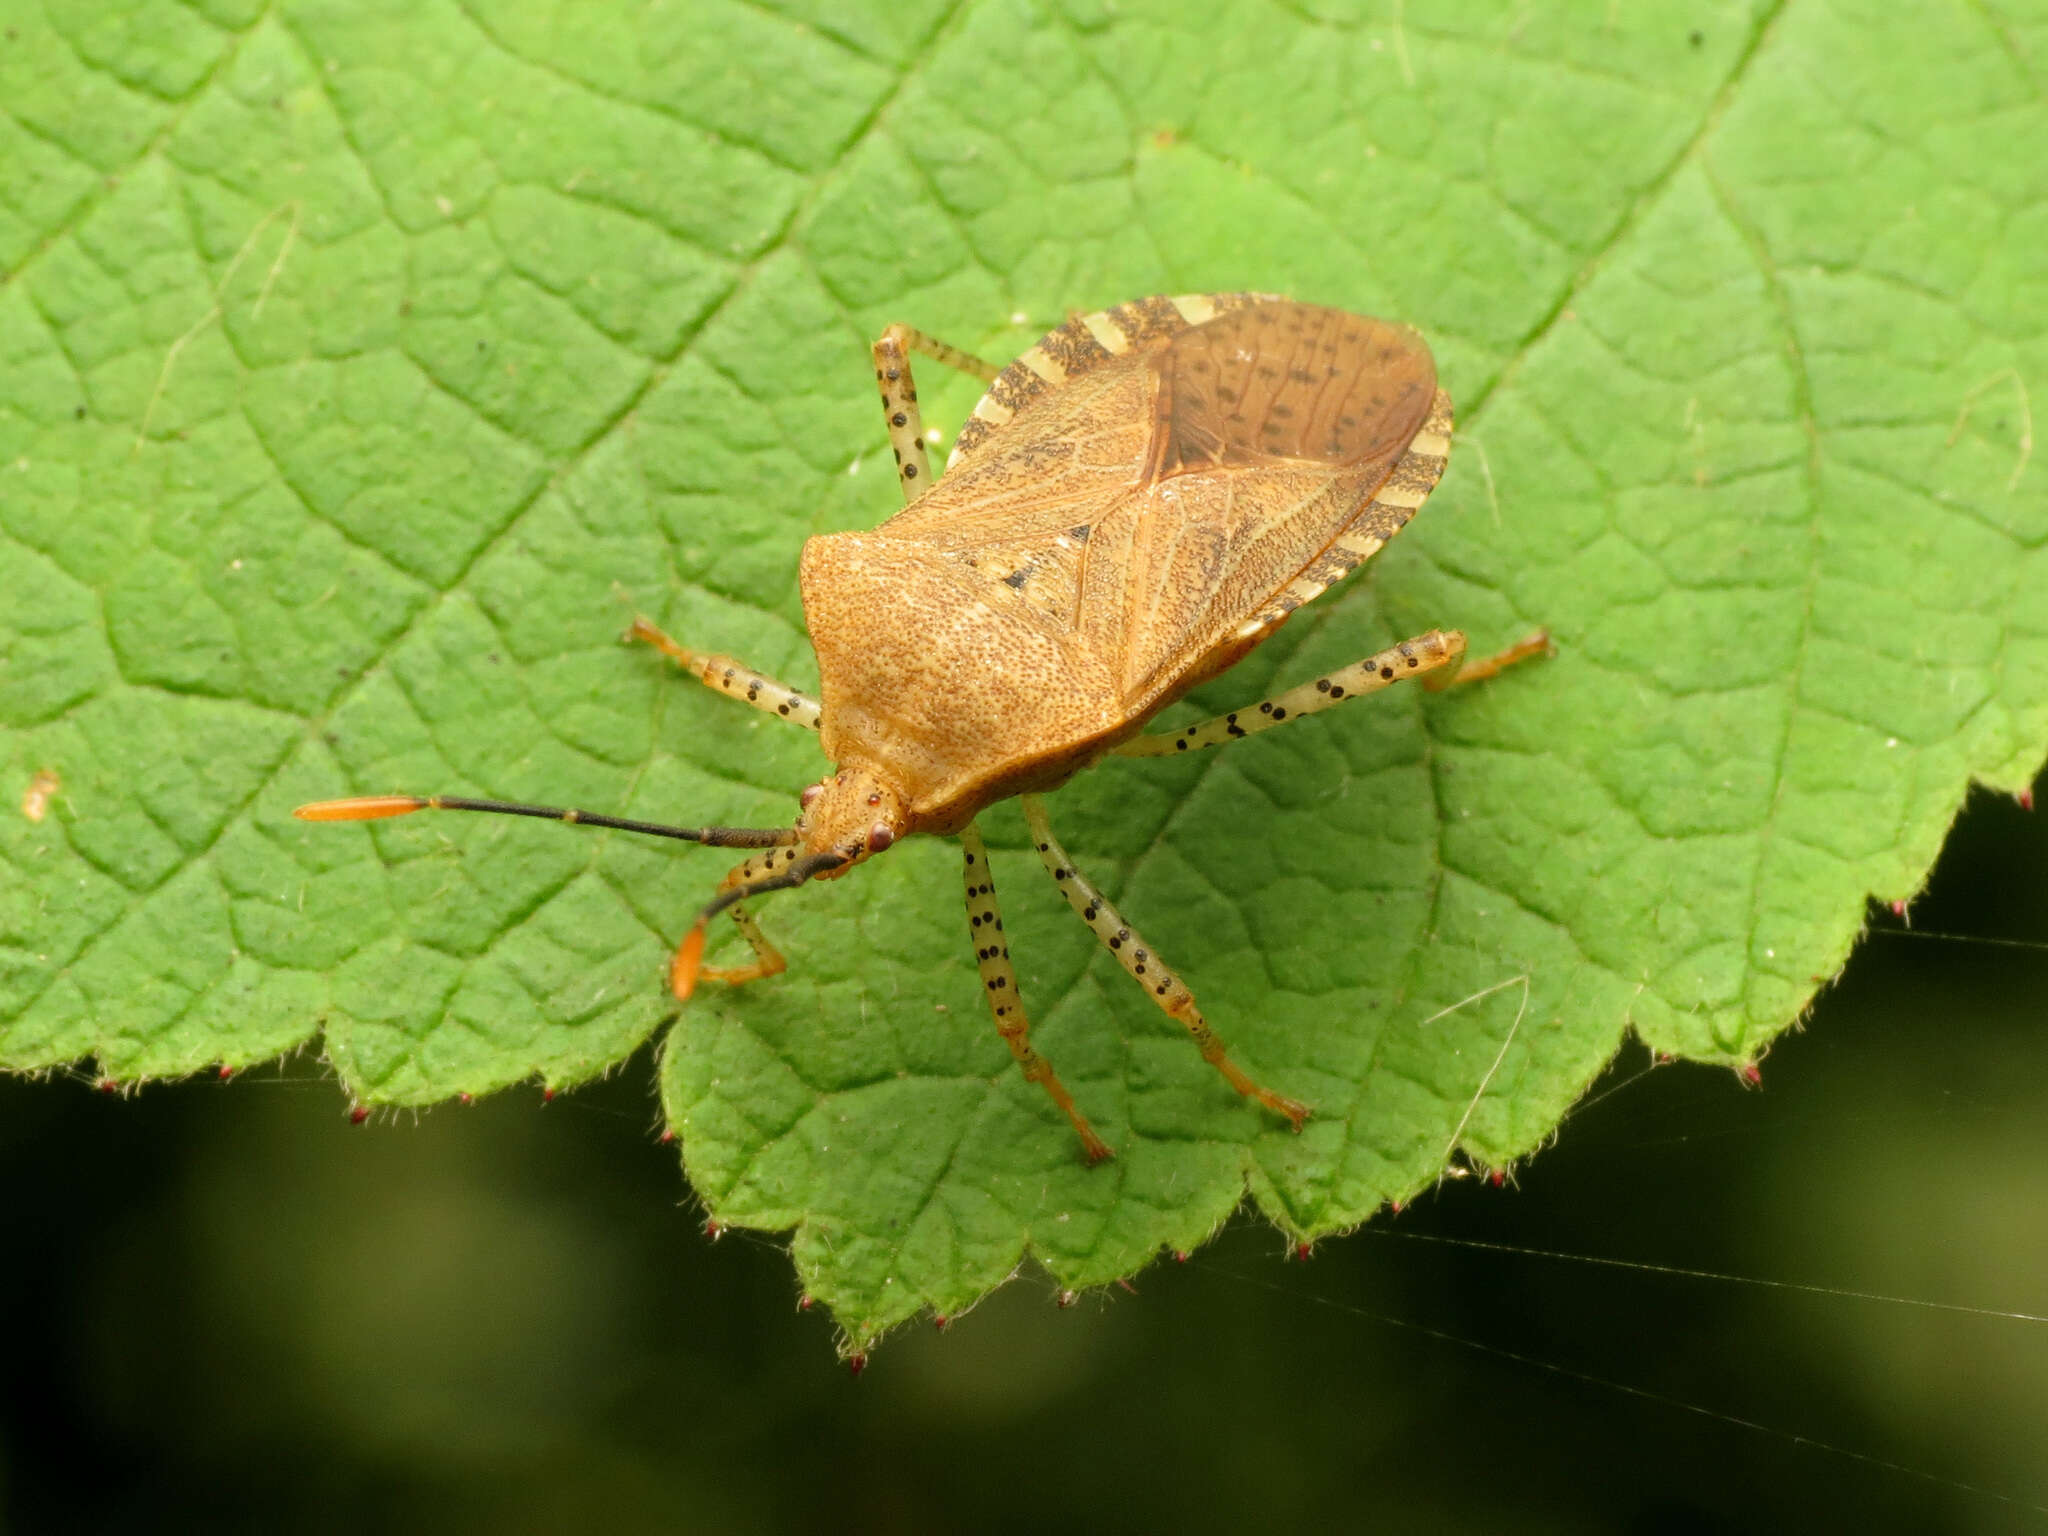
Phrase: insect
(1136, 502)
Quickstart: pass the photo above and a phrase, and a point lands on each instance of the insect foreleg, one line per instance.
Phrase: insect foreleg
(768, 959)
(999, 985)
(899, 396)
(686, 969)
(1434, 658)
(1136, 956)
(731, 677)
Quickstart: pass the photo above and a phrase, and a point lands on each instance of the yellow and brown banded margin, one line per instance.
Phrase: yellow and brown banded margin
(1406, 487)
(1085, 342)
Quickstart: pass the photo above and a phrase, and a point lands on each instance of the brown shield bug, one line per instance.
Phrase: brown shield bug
(1136, 502)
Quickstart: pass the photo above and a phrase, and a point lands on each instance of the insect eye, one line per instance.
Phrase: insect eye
(810, 794)
(879, 837)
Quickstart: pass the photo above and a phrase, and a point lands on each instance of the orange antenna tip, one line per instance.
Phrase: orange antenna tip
(682, 971)
(361, 808)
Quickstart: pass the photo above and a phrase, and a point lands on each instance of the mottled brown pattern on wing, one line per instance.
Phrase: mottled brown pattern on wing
(1288, 381)
(1414, 476)
(1123, 534)
(1075, 346)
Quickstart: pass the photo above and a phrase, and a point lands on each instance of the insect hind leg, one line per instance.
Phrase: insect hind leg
(899, 396)
(733, 678)
(1165, 989)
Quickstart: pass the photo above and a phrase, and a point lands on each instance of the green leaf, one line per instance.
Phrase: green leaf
(353, 354)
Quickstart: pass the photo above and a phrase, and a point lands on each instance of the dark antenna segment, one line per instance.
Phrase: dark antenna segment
(377, 807)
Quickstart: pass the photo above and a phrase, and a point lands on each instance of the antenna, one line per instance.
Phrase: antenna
(378, 807)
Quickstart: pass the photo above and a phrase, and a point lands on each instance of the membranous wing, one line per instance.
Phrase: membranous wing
(1289, 442)
(1288, 383)
(1169, 479)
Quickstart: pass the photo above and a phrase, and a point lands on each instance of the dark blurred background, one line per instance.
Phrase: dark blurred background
(228, 1308)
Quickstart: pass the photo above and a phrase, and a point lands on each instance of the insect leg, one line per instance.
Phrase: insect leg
(1477, 669)
(1136, 956)
(731, 677)
(768, 959)
(999, 984)
(684, 969)
(941, 352)
(1433, 657)
(899, 396)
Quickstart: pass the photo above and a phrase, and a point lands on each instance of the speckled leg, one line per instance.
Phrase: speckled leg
(1434, 658)
(899, 396)
(768, 959)
(685, 972)
(730, 677)
(1146, 968)
(999, 985)
(1477, 669)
